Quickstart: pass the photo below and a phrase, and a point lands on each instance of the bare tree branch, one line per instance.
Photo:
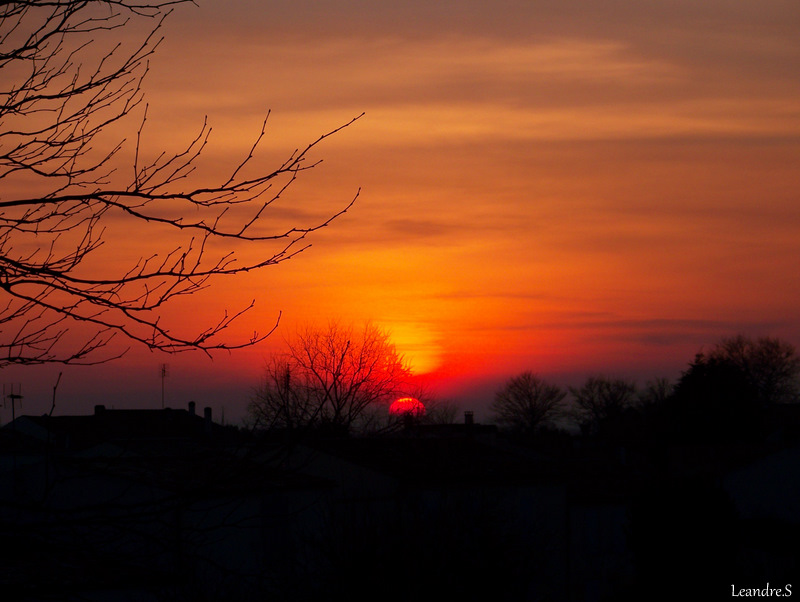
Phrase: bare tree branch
(66, 81)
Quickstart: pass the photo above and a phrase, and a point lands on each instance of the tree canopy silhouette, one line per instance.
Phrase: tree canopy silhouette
(75, 171)
(769, 365)
(725, 392)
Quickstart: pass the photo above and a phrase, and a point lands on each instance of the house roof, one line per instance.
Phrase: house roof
(81, 432)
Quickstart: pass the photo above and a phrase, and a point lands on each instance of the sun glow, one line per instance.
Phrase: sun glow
(407, 405)
(418, 345)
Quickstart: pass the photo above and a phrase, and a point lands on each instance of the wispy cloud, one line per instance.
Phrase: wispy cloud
(541, 181)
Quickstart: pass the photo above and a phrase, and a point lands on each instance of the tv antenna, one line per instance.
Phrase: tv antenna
(164, 374)
(8, 393)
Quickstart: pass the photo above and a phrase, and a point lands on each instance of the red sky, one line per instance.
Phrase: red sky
(567, 188)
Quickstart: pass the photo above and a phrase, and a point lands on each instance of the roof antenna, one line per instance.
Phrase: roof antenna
(14, 397)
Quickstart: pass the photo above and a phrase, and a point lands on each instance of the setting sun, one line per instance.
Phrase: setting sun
(407, 405)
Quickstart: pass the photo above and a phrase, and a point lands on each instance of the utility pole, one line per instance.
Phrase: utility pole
(14, 397)
(164, 374)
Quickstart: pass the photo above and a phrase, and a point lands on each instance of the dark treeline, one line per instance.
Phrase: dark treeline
(653, 478)
(725, 394)
(667, 491)
(686, 450)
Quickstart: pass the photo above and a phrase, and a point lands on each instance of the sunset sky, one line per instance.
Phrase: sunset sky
(569, 188)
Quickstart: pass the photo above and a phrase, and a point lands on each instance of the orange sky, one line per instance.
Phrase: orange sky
(603, 187)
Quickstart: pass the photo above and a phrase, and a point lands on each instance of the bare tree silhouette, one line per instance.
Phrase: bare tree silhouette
(281, 401)
(329, 377)
(71, 176)
(526, 402)
(656, 392)
(601, 399)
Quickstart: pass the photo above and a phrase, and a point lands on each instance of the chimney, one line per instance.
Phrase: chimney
(469, 418)
(99, 409)
(207, 416)
(192, 406)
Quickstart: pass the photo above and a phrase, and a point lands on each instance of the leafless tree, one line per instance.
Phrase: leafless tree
(600, 399)
(74, 171)
(656, 392)
(282, 401)
(329, 376)
(526, 402)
